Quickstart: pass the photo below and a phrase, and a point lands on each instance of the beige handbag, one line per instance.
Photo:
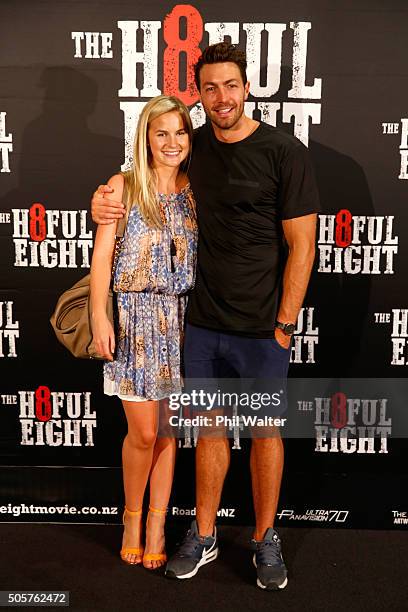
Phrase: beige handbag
(71, 318)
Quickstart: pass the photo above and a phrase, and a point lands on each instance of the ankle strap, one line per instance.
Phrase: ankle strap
(134, 512)
(158, 510)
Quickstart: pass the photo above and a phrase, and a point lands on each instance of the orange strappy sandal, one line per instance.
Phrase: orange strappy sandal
(155, 556)
(129, 550)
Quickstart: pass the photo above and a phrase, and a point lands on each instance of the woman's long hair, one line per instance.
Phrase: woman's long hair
(141, 179)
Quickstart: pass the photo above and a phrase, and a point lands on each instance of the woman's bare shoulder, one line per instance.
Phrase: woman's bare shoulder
(117, 182)
(182, 181)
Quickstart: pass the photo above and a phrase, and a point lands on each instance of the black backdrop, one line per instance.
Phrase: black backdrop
(73, 78)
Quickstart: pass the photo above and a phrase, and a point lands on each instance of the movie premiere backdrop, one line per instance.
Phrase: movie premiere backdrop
(74, 78)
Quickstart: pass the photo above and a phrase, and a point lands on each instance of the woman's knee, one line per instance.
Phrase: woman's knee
(142, 439)
(142, 421)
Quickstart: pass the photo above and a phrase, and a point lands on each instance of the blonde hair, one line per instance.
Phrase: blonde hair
(141, 179)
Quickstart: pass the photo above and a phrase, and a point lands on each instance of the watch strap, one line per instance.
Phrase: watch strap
(287, 328)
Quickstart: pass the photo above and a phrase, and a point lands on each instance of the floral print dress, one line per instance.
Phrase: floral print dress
(155, 269)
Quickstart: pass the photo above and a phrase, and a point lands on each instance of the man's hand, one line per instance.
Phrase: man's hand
(104, 211)
(282, 339)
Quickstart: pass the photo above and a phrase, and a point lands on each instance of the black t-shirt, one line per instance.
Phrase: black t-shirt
(243, 190)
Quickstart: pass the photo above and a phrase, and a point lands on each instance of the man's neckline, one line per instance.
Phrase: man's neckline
(235, 142)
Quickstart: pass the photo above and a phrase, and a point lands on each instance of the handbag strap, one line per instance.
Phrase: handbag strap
(121, 226)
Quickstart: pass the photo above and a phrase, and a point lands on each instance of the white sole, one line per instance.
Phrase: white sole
(262, 586)
(210, 557)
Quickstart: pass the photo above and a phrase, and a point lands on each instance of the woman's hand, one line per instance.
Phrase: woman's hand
(103, 336)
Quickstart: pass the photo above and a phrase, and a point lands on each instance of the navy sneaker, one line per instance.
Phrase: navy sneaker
(270, 567)
(193, 552)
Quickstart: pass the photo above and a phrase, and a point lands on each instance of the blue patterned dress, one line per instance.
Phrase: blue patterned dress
(155, 268)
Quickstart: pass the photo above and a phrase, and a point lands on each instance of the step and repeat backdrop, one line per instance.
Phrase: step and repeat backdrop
(74, 77)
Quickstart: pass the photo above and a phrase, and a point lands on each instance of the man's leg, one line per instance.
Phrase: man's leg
(265, 362)
(266, 473)
(212, 463)
(201, 354)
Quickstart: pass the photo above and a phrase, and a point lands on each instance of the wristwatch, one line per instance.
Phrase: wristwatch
(287, 328)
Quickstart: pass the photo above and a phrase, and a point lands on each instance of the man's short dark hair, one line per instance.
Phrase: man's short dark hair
(221, 52)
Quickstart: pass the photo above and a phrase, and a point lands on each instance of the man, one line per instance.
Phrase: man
(252, 183)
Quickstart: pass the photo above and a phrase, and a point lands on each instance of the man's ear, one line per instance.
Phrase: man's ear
(246, 89)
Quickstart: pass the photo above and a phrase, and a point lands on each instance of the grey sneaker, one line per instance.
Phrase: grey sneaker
(270, 567)
(193, 552)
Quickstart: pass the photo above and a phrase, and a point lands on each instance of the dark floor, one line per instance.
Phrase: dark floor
(344, 570)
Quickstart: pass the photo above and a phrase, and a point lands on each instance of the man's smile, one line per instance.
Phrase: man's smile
(224, 111)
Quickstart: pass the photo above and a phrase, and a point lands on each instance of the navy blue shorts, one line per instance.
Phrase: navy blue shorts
(233, 363)
(213, 354)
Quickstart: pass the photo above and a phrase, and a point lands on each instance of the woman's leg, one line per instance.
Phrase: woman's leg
(137, 456)
(161, 480)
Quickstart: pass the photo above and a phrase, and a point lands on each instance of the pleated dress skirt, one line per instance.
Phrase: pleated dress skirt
(147, 361)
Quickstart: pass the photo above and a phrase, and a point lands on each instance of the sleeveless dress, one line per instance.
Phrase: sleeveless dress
(155, 269)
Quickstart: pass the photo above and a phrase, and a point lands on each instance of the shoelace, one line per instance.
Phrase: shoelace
(188, 545)
(268, 553)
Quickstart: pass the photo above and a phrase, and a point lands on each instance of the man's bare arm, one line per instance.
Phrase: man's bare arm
(300, 234)
(105, 211)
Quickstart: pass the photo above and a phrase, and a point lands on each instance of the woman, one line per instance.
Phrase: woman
(153, 270)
